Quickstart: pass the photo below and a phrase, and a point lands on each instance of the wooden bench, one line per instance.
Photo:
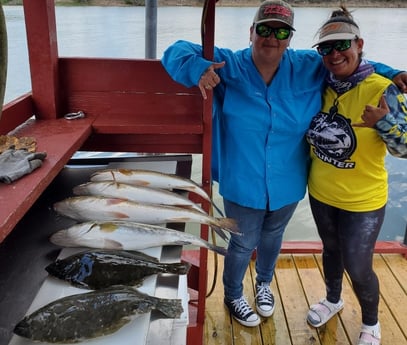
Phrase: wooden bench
(59, 138)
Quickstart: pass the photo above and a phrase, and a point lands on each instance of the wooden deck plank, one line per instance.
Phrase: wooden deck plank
(350, 316)
(393, 301)
(314, 289)
(299, 282)
(218, 324)
(274, 330)
(398, 266)
(294, 302)
(241, 334)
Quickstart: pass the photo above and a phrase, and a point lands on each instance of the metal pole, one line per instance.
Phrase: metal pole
(3, 57)
(151, 29)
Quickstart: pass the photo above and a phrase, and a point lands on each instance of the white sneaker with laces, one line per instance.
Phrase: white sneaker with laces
(264, 300)
(242, 312)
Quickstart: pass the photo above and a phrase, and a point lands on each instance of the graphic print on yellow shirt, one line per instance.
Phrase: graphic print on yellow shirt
(333, 139)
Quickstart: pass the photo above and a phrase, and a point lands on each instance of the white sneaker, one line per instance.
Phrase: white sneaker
(264, 300)
(242, 312)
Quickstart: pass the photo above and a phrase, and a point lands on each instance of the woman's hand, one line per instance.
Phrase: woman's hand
(373, 114)
(401, 81)
(209, 79)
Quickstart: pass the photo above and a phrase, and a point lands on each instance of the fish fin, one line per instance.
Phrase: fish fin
(192, 207)
(178, 268)
(197, 190)
(142, 255)
(229, 225)
(140, 183)
(118, 215)
(181, 243)
(138, 283)
(111, 244)
(114, 201)
(171, 308)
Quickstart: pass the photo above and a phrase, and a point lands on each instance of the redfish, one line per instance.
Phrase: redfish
(149, 178)
(153, 179)
(135, 193)
(121, 235)
(89, 208)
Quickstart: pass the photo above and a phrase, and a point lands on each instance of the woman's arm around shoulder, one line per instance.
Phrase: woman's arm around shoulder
(398, 77)
(390, 121)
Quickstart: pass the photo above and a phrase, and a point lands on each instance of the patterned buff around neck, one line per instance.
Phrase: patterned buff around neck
(342, 86)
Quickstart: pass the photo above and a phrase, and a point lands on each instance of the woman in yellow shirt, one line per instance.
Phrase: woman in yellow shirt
(363, 116)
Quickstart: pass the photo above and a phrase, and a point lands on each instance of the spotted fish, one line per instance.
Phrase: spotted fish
(79, 317)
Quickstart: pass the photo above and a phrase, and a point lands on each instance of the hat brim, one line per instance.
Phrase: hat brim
(274, 20)
(336, 37)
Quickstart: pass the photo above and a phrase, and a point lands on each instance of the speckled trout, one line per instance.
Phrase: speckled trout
(126, 236)
(135, 193)
(88, 208)
(79, 317)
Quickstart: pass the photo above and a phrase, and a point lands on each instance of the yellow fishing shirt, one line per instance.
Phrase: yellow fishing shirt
(348, 163)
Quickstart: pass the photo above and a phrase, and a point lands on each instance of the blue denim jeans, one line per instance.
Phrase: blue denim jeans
(262, 230)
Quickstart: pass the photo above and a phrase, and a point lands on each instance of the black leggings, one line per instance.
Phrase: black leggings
(348, 243)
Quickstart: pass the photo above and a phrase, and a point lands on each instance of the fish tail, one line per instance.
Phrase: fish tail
(179, 268)
(78, 190)
(221, 233)
(217, 249)
(171, 308)
(228, 224)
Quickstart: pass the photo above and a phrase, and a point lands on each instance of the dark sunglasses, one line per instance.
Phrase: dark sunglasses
(340, 46)
(265, 31)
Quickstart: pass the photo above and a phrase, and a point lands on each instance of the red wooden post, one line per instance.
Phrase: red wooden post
(208, 37)
(43, 56)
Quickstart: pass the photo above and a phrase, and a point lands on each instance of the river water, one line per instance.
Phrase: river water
(119, 32)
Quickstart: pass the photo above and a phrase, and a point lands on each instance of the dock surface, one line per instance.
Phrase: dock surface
(298, 283)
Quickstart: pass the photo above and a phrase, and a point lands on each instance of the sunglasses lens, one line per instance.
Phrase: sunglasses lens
(282, 33)
(265, 31)
(324, 50)
(340, 46)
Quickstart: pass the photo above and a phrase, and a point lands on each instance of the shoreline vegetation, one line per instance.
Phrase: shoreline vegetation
(226, 3)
